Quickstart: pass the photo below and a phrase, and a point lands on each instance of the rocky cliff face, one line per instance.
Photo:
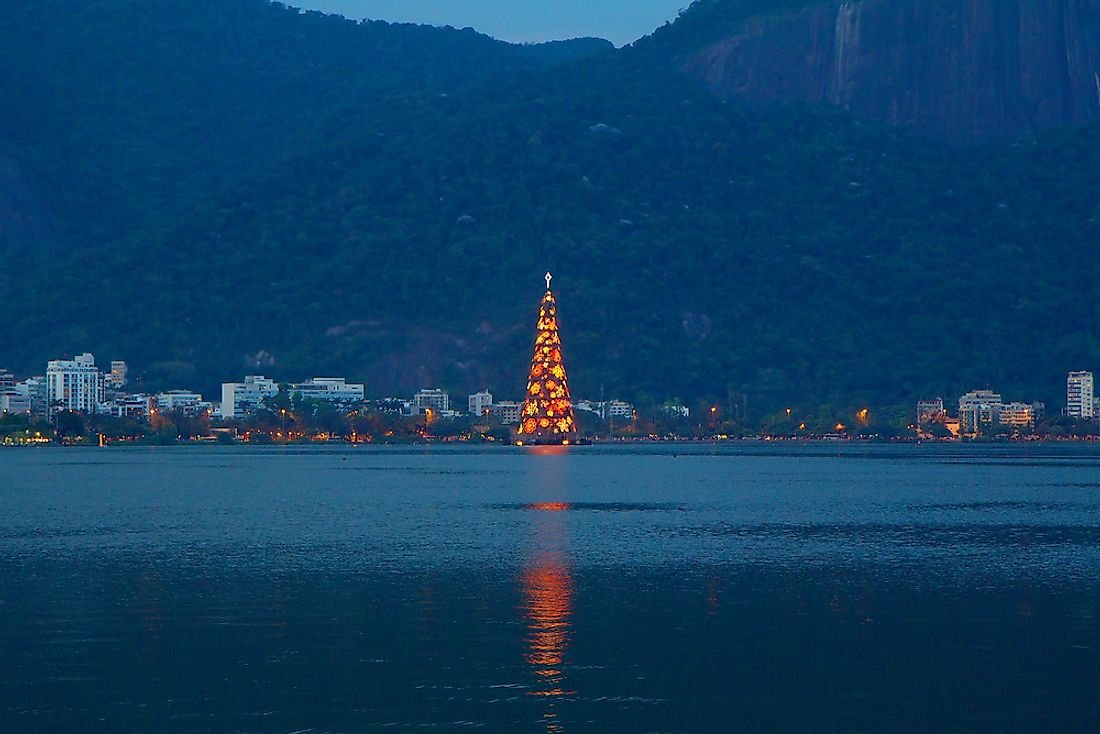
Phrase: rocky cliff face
(965, 70)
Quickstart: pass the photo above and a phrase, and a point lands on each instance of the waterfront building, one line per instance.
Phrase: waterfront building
(588, 406)
(1080, 395)
(676, 410)
(36, 391)
(117, 377)
(618, 409)
(930, 412)
(507, 412)
(241, 399)
(480, 403)
(138, 407)
(1019, 415)
(73, 384)
(977, 409)
(182, 401)
(394, 406)
(329, 390)
(13, 402)
(435, 399)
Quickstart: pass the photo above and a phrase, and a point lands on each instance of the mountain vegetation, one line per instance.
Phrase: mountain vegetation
(233, 185)
(958, 70)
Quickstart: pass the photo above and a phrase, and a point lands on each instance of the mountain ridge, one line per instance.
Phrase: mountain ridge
(704, 248)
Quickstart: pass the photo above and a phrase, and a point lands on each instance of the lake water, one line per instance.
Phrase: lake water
(595, 589)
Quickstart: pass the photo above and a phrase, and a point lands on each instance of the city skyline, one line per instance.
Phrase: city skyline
(78, 386)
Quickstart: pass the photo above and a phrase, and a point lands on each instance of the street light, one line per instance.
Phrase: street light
(282, 412)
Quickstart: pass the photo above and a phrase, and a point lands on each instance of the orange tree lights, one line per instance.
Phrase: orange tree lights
(547, 416)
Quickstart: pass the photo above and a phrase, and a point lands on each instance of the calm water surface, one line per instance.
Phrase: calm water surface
(632, 589)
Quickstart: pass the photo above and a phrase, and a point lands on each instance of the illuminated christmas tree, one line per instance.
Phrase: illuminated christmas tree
(547, 416)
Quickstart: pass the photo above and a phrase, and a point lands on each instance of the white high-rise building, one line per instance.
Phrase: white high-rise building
(1080, 397)
(481, 403)
(74, 384)
(240, 399)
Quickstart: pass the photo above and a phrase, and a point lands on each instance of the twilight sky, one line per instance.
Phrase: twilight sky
(621, 21)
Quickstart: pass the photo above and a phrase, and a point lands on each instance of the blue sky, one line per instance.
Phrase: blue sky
(621, 21)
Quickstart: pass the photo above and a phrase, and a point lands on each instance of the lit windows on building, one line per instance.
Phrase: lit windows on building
(119, 374)
(930, 412)
(1020, 415)
(1080, 395)
(979, 409)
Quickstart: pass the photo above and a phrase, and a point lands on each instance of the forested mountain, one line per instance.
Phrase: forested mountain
(122, 110)
(961, 70)
(237, 203)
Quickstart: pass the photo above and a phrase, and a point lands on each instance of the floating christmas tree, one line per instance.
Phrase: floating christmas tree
(547, 416)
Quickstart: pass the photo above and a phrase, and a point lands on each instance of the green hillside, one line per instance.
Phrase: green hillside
(122, 110)
(701, 250)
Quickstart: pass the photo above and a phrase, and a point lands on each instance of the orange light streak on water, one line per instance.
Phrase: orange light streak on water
(547, 587)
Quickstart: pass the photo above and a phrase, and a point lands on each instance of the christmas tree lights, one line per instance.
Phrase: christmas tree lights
(547, 415)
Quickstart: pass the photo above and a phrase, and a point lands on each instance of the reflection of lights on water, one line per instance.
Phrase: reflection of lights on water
(547, 587)
(548, 597)
(549, 450)
(551, 506)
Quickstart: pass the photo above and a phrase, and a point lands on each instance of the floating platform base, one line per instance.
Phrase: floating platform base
(550, 441)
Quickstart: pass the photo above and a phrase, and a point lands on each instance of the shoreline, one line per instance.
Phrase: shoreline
(643, 441)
